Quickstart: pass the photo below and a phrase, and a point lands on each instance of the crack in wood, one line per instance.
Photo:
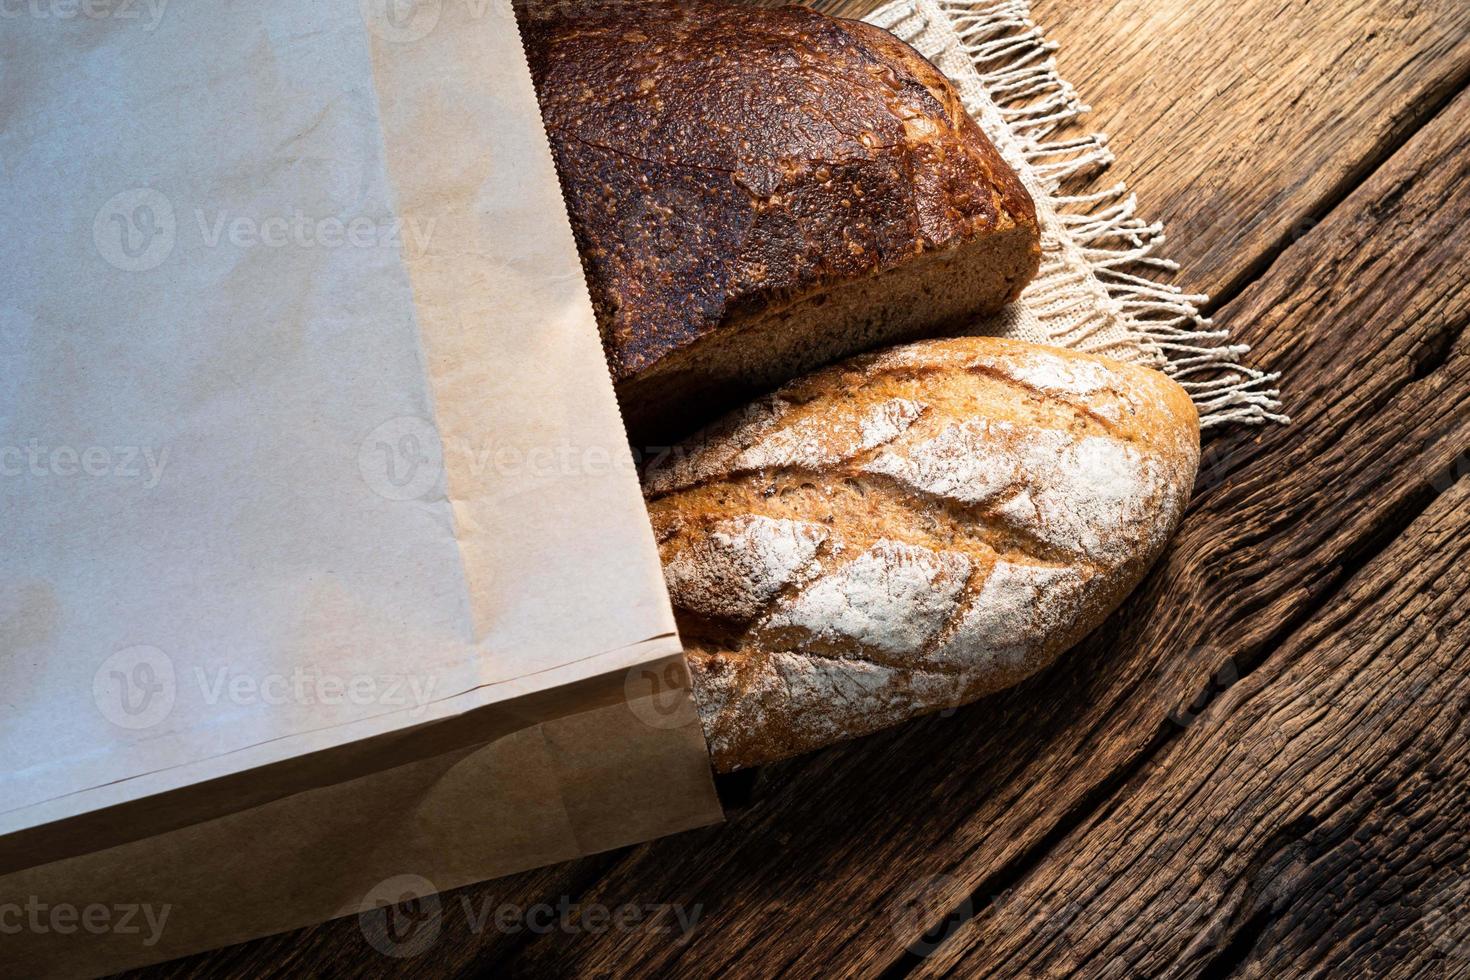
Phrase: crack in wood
(1418, 116)
(1007, 877)
(1396, 522)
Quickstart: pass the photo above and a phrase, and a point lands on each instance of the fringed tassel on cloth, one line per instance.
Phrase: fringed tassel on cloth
(1095, 290)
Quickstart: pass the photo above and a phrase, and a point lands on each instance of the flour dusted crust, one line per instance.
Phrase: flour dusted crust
(910, 530)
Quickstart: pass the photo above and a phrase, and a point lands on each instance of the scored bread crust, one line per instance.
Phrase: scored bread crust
(725, 164)
(910, 530)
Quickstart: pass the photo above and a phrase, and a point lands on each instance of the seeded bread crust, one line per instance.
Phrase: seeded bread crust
(911, 530)
(737, 177)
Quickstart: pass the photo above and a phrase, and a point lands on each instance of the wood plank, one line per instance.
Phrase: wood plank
(1366, 313)
(1314, 820)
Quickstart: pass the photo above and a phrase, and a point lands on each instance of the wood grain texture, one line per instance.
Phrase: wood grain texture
(1314, 820)
(1368, 312)
(1316, 814)
(845, 859)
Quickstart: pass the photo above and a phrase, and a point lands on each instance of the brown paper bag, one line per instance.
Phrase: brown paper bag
(324, 559)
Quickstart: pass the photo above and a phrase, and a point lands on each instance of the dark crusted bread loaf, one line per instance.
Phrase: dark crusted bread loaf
(910, 530)
(759, 191)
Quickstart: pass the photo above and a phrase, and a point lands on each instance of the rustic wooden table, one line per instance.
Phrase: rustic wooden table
(1260, 766)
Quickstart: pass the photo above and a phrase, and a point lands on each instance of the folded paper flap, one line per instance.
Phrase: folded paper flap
(542, 794)
(502, 252)
(197, 791)
(317, 436)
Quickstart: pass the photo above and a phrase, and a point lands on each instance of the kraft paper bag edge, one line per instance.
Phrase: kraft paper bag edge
(342, 851)
(192, 798)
